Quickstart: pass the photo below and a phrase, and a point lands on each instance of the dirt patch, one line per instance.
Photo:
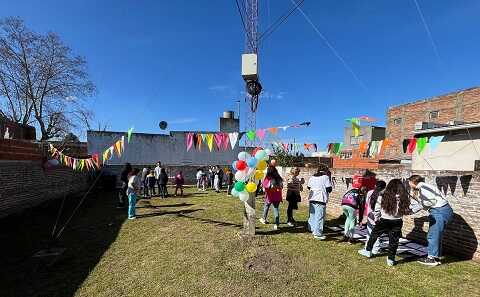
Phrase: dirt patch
(263, 257)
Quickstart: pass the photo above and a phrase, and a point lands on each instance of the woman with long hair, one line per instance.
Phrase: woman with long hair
(294, 188)
(392, 205)
(429, 198)
(273, 184)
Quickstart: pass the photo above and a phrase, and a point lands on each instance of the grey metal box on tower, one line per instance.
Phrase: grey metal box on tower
(250, 67)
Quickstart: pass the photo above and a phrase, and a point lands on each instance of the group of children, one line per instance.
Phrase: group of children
(132, 184)
(213, 178)
(381, 209)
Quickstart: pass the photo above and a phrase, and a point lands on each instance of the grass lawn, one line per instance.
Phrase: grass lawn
(191, 247)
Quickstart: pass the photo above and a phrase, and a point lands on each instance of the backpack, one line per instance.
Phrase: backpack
(350, 198)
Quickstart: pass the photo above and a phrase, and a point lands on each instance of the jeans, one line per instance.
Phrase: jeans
(163, 191)
(132, 201)
(370, 225)
(276, 211)
(317, 211)
(394, 230)
(350, 220)
(438, 220)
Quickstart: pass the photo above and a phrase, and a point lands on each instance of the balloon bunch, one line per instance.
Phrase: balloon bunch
(249, 170)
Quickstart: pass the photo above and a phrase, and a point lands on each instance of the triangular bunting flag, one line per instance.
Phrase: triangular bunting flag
(189, 140)
(273, 130)
(219, 140)
(251, 135)
(226, 140)
(434, 142)
(421, 143)
(261, 134)
(129, 134)
(195, 140)
(412, 145)
(199, 141)
(233, 139)
(210, 141)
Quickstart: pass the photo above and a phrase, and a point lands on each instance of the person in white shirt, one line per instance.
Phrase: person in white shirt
(132, 190)
(320, 186)
(429, 198)
(158, 170)
(199, 178)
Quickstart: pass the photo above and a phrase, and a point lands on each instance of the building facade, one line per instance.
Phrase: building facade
(367, 133)
(452, 108)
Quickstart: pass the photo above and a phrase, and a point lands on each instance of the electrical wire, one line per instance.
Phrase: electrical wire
(279, 21)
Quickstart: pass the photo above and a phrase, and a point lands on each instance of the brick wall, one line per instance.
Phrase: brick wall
(463, 192)
(460, 106)
(11, 149)
(24, 184)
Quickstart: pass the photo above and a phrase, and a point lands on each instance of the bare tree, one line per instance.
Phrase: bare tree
(42, 80)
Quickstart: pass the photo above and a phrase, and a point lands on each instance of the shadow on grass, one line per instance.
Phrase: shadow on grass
(91, 232)
(164, 213)
(165, 206)
(210, 221)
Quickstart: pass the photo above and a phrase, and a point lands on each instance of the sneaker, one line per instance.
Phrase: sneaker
(391, 262)
(365, 253)
(429, 261)
(275, 227)
(344, 239)
(290, 224)
(132, 218)
(319, 237)
(263, 221)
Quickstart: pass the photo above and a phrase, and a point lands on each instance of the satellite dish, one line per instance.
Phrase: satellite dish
(163, 125)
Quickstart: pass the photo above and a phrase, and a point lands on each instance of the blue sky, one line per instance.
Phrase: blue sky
(179, 61)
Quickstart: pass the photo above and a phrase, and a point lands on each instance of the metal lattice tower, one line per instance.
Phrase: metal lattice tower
(251, 46)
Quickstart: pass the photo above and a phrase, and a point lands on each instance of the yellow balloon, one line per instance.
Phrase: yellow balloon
(259, 175)
(251, 187)
(262, 165)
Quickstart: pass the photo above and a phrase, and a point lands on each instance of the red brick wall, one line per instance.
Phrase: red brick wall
(11, 149)
(460, 106)
(462, 235)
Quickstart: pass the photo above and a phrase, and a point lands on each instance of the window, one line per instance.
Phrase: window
(433, 115)
(397, 121)
(355, 140)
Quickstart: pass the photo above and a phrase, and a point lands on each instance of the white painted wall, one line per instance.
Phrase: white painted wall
(453, 153)
(150, 148)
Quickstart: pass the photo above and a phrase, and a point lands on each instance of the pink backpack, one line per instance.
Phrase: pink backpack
(350, 198)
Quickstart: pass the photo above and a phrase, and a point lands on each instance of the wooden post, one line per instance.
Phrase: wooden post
(249, 216)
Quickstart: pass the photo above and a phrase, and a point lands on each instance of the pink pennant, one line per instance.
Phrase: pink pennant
(285, 146)
(189, 141)
(219, 140)
(226, 141)
(261, 134)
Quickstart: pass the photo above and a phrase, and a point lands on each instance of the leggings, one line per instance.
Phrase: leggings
(351, 220)
(394, 230)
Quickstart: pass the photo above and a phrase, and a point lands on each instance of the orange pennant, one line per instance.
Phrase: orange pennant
(273, 130)
(362, 147)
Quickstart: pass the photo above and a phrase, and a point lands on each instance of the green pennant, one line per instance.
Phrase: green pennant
(421, 143)
(251, 135)
(129, 134)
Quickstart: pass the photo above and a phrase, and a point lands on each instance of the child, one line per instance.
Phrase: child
(204, 181)
(179, 181)
(145, 172)
(132, 190)
(392, 205)
(294, 188)
(216, 179)
(350, 204)
(427, 197)
(320, 186)
(230, 180)
(273, 184)
(371, 201)
(199, 178)
(151, 181)
(163, 181)
(122, 195)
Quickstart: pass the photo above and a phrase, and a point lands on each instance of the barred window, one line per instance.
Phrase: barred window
(397, 121)
(433, 115)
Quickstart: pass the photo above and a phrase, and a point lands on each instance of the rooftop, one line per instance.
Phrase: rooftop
(447, 128)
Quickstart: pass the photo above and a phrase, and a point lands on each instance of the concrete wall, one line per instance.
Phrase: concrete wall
(150, 148)
(460, 106)
(463, 192)
(367, 133)
(25, 184)
(456, 152)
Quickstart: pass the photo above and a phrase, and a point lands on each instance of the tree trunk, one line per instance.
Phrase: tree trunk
(249, 216)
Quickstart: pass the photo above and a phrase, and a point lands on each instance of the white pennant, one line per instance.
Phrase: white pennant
(233, 139)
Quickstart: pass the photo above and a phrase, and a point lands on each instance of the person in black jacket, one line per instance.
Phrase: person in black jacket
(163, 181)
(122, 194)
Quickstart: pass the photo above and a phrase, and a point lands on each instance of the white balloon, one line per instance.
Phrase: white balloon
(250, 172)
(244, 156)
(241, 175)
(244, 196)
(235, 193)
(269, 152)
(53, 162)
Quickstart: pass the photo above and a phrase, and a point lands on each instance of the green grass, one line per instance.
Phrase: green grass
(191, 247)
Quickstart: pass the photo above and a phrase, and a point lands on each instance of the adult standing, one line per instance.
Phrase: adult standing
(122, 194)
(221, 175)
(163, 181)
(158, 170)
(294, 188)
(429, 198)
(145, 172)
(320, 187)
